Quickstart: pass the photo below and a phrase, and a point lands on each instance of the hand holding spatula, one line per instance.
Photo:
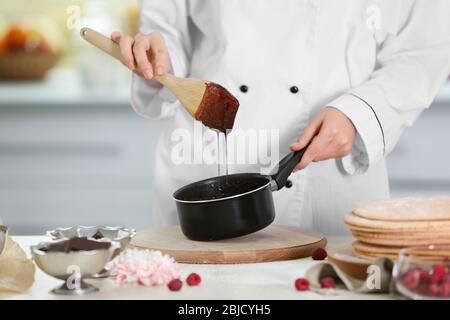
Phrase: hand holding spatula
(206, 101)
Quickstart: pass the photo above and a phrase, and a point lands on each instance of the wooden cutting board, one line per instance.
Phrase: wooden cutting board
(274, 243)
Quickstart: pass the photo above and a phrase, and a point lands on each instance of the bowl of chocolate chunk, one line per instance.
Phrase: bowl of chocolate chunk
(119, 234)
(73, 260)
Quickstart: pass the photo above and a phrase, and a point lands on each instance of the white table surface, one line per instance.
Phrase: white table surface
(269, 280)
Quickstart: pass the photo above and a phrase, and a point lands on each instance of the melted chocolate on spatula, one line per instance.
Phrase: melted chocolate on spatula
(218, 108)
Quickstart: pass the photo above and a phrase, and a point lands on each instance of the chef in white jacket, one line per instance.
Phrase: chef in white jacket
(349, 76)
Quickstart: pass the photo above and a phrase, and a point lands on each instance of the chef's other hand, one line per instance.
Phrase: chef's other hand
(331, 134)
(145, 54)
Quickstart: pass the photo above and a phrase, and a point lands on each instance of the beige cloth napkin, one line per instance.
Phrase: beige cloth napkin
(384, 283)
(16, 271)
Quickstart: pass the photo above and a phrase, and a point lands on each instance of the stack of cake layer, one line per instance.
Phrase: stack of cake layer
(384, 228)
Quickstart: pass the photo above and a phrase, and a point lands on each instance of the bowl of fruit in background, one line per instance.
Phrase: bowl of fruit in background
(29, 48)
(423, 272)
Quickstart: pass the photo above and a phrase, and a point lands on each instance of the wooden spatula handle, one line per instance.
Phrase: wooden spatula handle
(110, 47)
(101, 42)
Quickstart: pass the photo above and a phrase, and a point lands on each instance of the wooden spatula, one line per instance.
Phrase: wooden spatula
(206, 101)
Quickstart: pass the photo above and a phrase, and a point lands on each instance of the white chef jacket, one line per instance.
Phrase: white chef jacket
(381, 62)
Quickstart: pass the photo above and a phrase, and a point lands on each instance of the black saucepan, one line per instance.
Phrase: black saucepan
(227, 207)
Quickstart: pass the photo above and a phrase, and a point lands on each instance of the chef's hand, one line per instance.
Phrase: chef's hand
(145, 54)
(331, 134)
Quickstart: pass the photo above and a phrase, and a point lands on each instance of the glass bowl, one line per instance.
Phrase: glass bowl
(423, 272)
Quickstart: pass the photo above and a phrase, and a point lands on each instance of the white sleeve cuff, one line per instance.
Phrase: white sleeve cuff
(369, 145)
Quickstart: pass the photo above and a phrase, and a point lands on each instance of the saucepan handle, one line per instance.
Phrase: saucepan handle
(286, 166)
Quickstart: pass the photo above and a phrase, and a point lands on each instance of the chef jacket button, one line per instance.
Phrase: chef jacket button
(288, 184)
(294, 89)
(243, 88)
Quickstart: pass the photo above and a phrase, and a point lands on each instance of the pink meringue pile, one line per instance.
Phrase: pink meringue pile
(143, 267)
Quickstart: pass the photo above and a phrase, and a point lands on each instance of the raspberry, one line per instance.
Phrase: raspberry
(319, 254)
(193, 279)
(302, 284)
(438, 273)
(327, 283)
(424, 275)
(175, 285)
(433, 289)
(444, 290)
(446, 279)
(411, 278)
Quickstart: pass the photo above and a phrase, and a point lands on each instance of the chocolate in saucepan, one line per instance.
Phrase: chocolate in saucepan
(218, 108)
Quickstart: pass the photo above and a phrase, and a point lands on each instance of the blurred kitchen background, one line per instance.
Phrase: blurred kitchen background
(72, 151)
